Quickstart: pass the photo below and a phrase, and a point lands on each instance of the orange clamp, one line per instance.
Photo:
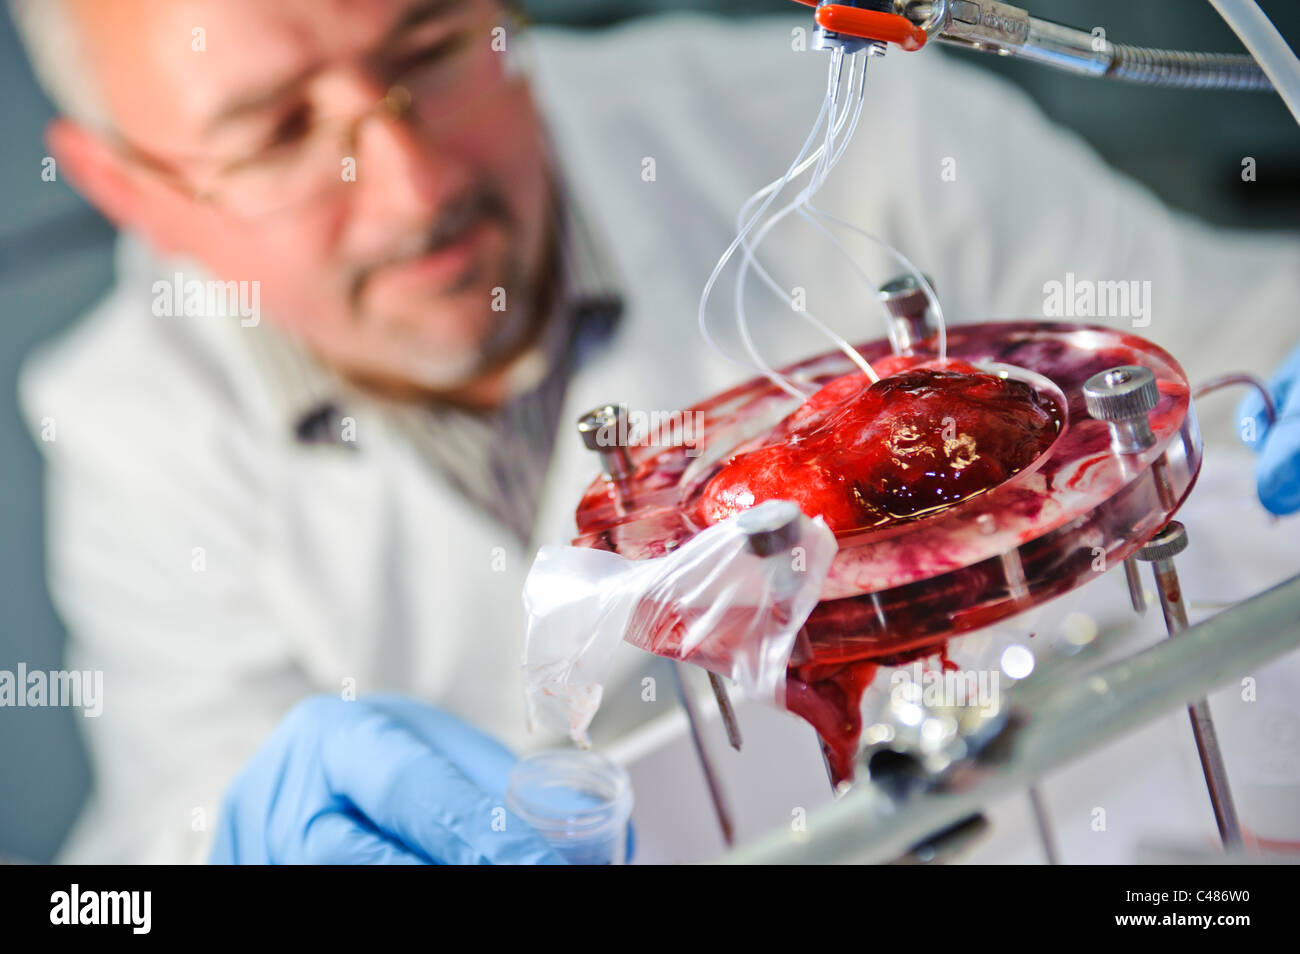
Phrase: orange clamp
(868, 24)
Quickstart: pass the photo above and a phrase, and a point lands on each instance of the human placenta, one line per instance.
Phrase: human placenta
(863, 455)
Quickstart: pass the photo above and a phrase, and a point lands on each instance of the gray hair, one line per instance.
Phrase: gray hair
(57, 52)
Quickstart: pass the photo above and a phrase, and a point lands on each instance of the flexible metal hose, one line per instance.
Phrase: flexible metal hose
(1151, 67)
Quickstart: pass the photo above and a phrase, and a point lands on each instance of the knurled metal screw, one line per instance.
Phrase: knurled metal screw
(1165, 545)
(1123, 397)
(1121, 393)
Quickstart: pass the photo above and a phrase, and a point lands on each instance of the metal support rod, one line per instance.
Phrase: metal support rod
(706, 766)
(1136, 595)
(1044, 825)
(725, 710)
(1216, 775)
(605, 431)
(1160, 552)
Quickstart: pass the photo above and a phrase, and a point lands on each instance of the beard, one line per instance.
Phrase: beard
(484, 339)
(440, 336)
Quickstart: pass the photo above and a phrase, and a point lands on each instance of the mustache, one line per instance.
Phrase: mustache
(483, 204)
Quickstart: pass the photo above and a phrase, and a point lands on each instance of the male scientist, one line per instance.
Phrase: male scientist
(377, 256)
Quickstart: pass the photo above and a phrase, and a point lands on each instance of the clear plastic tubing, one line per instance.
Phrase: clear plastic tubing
(580, 802)
(1266, 45)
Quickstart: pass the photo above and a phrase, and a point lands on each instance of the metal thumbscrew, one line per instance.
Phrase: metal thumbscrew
(1165, 545)
(1123, 397)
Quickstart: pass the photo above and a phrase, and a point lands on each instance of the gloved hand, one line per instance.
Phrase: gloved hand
(1278, 445)
(382, 780)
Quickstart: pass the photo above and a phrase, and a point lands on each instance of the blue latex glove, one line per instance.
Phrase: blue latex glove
(382, 780)
(1278, 469)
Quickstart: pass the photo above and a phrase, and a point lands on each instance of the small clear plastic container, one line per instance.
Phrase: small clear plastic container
(579, 801)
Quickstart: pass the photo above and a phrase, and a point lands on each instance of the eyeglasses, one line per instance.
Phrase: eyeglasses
(440, 90)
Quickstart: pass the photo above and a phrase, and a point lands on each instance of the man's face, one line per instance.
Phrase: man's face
(390, 251)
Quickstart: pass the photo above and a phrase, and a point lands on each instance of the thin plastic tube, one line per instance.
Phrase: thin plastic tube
(731, 249)
(808, 162)
(750, 248)
(911, 268)
(805, 207)
(771, 283)
(836, 118)
(742, 323)
(830, 122)
(763, 274)
(775, 184)
(1246, 380)
(1266, 45)
(808, 210)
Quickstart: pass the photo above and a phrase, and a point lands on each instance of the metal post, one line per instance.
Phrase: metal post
(605, 431)
(719, 800)
(1044, 825)
(1123, 397)
(1160, 552)
(726, 710)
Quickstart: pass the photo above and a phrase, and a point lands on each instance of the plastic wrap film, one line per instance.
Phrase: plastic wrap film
(731, 599)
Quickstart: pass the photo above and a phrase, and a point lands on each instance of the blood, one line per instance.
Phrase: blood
(863, 455)
(830, 699)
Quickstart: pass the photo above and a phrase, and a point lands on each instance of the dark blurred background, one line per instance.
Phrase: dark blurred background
(55, 260)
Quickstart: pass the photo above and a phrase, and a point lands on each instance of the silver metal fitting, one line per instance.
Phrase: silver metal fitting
(1007, 30)
(929, 15)
(1123, 397)
(605, 431)
(910, 744)
(771, 527)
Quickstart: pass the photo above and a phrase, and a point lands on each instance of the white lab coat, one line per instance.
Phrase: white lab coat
(217, 572)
